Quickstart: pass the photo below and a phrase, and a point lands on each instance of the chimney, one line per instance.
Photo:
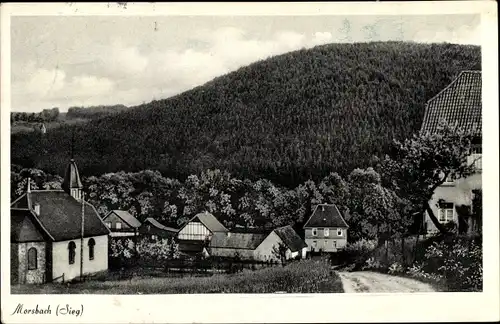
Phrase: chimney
(36, 207)
(29, 185)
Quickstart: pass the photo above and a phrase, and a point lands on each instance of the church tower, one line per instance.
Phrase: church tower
(72, 184)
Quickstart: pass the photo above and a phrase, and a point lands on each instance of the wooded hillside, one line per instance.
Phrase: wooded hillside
(289, 118)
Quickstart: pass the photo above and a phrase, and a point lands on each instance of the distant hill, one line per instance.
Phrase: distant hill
(288, 118)
(22, 122)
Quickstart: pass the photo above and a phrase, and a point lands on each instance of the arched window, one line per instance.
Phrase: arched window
(32, 259)
(71, 252)
(91, 249)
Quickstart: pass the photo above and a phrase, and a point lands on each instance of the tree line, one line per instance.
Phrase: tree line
(386, 199)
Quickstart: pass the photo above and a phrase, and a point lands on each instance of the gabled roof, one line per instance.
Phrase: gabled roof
(61, 214)
(209, 221)
(290, 238)
(458, 103)
(158, 225)
(126, 217)
(24, 227)
(326, 215)
(247, 241)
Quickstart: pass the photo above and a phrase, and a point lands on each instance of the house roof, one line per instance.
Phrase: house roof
(458, 103)
(158, 225)
(209, 221)
(290, 238)
(126, 217)
(248, 241)
(24, 227)
(61, 214)
(326, 215)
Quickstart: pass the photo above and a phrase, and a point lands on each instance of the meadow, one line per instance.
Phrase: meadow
(305, 276)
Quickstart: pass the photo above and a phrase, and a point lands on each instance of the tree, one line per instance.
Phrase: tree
(279, 252)
(422, 163)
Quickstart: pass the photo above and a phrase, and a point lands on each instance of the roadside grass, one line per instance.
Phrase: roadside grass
(305, 276)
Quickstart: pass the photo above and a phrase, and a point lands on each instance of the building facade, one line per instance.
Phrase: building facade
(46, 234)
(460, 103)
(325, 230)
(121, 223)
(201, 228)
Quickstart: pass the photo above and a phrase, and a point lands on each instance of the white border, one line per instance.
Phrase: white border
(220, 308)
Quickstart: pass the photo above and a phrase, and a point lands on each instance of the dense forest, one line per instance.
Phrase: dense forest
(288, 119)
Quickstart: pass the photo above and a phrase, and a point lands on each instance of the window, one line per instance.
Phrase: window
(118, 225)
(339, 232)
(445, 212)
(334, 244)
(315, 244)
(476, 156)
(71, 252)
(327, 232)
(91, 249)
(314, 232)
(32, 259)
(108, 224)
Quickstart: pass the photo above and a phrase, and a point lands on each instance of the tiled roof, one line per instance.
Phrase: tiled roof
(248, 241)
(209, 221)
(61, 214)
(325, 215)
(459, 102)
(157, 224)
(290, 238)
(126, 217)
(24, 227)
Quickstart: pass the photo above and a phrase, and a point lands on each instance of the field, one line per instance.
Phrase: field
(306, 276)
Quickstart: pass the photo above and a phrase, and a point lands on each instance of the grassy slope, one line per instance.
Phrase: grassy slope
(289, 118)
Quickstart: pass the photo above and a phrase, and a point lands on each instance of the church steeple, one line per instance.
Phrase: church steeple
(72, 184)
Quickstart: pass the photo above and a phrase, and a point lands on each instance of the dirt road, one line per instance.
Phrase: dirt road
(372, 282)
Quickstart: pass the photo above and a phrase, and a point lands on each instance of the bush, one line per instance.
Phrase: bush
(459, 263)
(356, 253)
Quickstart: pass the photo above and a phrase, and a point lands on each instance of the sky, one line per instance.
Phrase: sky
(104, 60)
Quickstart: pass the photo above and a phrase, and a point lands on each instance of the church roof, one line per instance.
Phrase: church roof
(60, 215)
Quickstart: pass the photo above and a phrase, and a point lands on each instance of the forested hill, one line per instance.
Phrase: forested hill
(289, 118)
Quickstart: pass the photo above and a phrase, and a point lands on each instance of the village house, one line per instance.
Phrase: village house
(201, 228)
(46, 234)
(121, 223)
(155, 230)
(326, 229)
(257, 246)
(459, 103)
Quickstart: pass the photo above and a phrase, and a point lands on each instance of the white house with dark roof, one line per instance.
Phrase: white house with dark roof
(46, 234)
(459, 103)
(258, 246)
(326, 229)
(121, 223)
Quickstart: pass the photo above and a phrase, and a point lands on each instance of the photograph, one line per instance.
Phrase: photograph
(178, 154)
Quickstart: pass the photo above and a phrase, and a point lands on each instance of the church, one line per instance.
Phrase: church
(47, 244)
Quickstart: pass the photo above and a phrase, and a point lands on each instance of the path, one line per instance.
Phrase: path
(373, 282)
